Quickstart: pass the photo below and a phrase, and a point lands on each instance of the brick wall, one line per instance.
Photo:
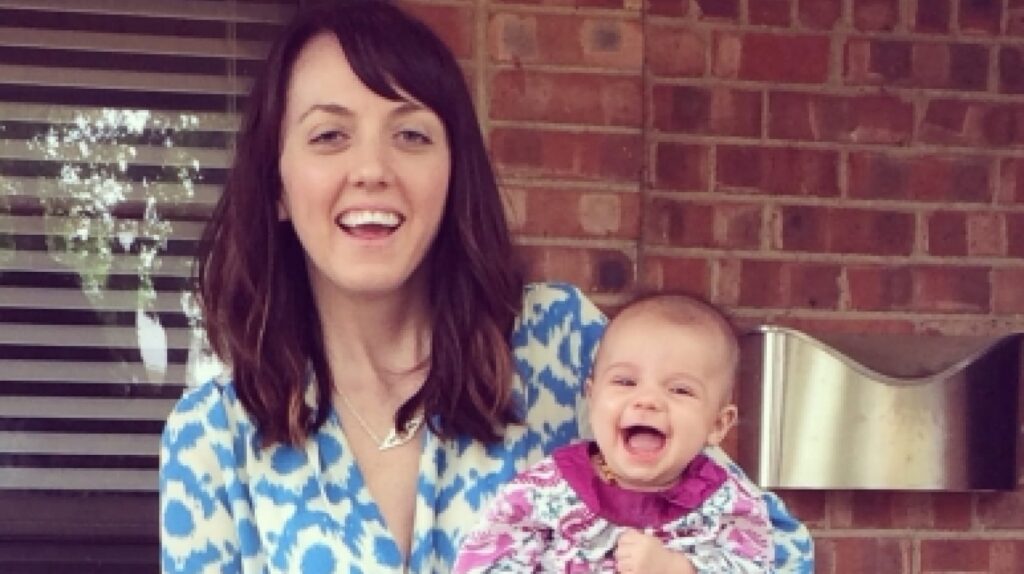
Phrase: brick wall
(832, 165)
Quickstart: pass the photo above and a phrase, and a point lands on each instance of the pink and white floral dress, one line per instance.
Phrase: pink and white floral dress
(559, 516)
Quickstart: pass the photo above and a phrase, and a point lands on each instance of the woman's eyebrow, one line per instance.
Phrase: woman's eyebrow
(333, 109)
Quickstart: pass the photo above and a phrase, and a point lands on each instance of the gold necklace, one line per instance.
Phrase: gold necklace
(607, 474)
(395, 438)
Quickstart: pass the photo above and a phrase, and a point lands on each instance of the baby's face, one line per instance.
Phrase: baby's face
(658, 395)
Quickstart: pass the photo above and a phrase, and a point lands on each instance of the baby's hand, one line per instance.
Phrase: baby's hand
(639, 553)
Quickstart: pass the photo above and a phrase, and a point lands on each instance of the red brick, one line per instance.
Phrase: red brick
(879, 288)
(1015, 234)
(956, 555)
(679, 224)
(593, 270)
(455, 25)
(1015, 18)
(838, 230)
(1007, 295)
(863, 555)
(814, 285)
(947, 233)
(611, 4)
(864, 119)
(766, 284)
(1011, 181)
(875, 62)
(808, 505)
(1006, 556)
(847, 324)
(932, 16)
(778, 58)
(907, 510)
(714, 111)
(921, 178)
(820, 14)
(768, 12)
(875, 15)
(720, 9)
(738, 226)
(980, 16)
(554, 39)
(681, 166)
(779, 171)
(560, 212)
(952, 510)
(967, 123)
(578, 98)
(667, 273)
(1011, 70)
(985, 234)
(952, 289)
(576, 155)
(762, 284)
(1001, 510)
(930, 64)
(668, 7)
(968, 67)
(673, 51)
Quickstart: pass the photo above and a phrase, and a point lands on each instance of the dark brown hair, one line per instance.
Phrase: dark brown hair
(257, 303)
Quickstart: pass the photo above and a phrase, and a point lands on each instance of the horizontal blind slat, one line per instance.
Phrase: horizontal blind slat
(32, 225)
(170, 265)
(68, 299)
(270, 13)
(121, 479)
(51, 190)
(107, 336)
(83, 372)
(78, 443)
(130, 43)
(180, 122)
(122, 80)
(134, 408)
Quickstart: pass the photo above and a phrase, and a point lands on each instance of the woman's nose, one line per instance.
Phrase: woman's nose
(371, 170)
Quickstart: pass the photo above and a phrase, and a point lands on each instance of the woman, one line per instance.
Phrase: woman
(357, 277)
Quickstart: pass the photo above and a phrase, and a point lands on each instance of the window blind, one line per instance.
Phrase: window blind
(116, 127)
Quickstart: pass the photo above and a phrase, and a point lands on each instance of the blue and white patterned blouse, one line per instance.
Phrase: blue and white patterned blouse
(228, 505)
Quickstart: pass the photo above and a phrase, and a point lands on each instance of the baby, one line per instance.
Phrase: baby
(642, 497)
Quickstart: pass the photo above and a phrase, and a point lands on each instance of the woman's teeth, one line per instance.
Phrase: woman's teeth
(357, 218)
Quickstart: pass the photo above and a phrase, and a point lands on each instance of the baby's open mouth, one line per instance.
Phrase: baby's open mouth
(369, 223)
(643, 439)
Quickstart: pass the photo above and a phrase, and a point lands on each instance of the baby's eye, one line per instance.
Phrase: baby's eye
(413, 137)
(680, 390)
(623, 381)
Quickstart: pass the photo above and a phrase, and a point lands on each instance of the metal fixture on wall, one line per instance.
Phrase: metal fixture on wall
(892, 412)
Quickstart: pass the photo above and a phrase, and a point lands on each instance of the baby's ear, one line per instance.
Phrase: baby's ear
(723, 422)
(586, 386)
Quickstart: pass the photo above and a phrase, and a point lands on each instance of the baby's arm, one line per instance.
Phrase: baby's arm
(509, 539)
(742, 541)
(639, 553)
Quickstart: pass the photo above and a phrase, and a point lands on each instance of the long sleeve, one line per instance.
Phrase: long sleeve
(197, 532)
(793, 548)
(509, 540)
(742, 540)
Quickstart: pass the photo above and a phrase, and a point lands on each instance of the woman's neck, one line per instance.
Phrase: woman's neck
(375, 344)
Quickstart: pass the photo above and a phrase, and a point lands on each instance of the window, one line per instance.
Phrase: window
(116, 127)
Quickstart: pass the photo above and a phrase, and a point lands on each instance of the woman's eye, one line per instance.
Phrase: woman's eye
(414, 137)
(327, 136)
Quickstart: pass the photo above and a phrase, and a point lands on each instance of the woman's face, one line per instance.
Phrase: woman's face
(364, 178)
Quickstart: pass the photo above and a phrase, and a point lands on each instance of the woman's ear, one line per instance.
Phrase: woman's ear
(282, 211)
(725, 420)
